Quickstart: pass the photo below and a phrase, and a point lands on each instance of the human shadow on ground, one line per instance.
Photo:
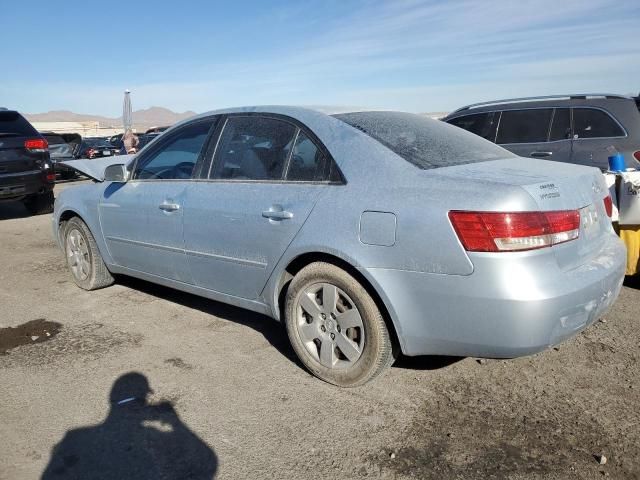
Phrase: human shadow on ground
(13, 210)
(137, 440)
(425, 362)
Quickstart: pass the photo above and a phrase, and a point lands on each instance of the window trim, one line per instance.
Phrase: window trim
(521, 109)
(554, 107)
(210, 153)
(213, 119)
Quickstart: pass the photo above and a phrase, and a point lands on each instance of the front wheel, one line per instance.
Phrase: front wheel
(335, 327)
(83, 257)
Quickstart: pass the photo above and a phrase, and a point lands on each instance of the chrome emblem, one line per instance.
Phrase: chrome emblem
(589, 217)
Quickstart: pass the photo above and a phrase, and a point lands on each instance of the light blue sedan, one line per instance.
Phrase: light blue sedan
(368, 234)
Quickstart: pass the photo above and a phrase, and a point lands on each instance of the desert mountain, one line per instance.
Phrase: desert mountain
(154, 116)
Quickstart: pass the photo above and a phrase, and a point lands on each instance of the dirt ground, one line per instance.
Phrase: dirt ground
(229, 399)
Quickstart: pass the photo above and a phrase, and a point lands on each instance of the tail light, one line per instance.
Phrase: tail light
(90, 152)
(608, 205)
(51, 177)
(636, 155)
(36, 145)
(514, 231)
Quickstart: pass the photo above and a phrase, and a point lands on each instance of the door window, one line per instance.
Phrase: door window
(175, 158)
(524, 126)
(592, 123)
(483, 124)
(560, 125)
(253, 148)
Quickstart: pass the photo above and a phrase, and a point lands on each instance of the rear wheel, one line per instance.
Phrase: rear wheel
(40, 203)
(335, 327)
(83, 257)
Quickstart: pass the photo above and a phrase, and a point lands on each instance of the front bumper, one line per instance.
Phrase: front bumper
(510, 306)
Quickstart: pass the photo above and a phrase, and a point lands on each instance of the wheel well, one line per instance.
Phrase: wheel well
(302, 261)
(65, 217)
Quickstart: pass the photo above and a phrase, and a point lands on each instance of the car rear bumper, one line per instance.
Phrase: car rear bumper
(14, 186)
(510, 306)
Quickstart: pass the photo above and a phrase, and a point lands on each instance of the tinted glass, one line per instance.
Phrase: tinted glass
(560, 125)
(592, 123)
(54, 139)
(175, 158)
(424, 142)
(12, 124)
(253, 148)
(524, 126)
(308, 163)
(483, 124)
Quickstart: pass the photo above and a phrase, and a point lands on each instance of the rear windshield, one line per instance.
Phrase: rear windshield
(424, 142)
(12, 124)
(54, 139)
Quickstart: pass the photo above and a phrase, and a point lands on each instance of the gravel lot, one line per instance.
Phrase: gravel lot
(229, 397)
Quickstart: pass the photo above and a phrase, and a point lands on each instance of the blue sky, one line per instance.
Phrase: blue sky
(419, 56)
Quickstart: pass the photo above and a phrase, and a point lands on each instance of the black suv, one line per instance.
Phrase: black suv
(584, 128)
(26, 172)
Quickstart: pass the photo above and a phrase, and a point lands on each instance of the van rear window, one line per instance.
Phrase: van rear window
(12, 124)
(424, 142)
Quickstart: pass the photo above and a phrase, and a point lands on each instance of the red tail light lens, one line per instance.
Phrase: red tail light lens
(636, 155)
(514, 231)
(608, 205)
(51, 177)
(36, 145)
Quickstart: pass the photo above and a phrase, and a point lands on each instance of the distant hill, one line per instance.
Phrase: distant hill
(154, 116)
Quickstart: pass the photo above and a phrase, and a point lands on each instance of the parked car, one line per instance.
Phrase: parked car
(365, 233)
(582, 129)
(62, 148)
(96, 147)
(26, 173)
(156, 130)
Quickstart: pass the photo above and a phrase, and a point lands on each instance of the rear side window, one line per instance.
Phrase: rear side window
(12, 124)
(424, 142)
(592, 123)
(560, 125)
(482, 124)
(524, 126)
(253, 148)
(308, 163)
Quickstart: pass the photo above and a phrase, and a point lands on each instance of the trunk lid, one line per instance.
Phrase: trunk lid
(552, 186)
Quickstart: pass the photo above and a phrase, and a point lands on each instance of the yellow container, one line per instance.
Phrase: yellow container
(630, 235)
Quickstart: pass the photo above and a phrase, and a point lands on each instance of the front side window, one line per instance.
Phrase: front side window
(592, 123)
(176, 158)
(524, 126)
(482, 124)
(253, 148)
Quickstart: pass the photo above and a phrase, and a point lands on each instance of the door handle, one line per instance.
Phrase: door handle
(541, 154)
(169, 207)
(277, 214)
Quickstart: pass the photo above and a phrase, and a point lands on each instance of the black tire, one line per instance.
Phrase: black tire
(376, 355)
(97, 275)
(39, 204)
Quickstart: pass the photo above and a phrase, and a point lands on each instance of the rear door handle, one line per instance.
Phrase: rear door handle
(541, 154)
(169, 207)
(277, 214)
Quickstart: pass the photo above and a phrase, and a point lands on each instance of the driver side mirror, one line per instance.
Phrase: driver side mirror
(116, 173)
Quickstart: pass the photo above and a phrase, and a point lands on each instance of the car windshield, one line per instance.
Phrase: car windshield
(96, 142)
(424, 142)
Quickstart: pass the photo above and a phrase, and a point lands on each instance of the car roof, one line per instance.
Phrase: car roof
(601, 100)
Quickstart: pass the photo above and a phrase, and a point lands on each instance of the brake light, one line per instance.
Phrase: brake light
(636, 155)
(51, 177)
(36, 145)
(608, 205)
(514, 231)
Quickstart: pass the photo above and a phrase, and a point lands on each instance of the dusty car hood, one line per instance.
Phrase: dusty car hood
(95, 168)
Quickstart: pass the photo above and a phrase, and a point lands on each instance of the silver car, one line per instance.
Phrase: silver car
(368, 234)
